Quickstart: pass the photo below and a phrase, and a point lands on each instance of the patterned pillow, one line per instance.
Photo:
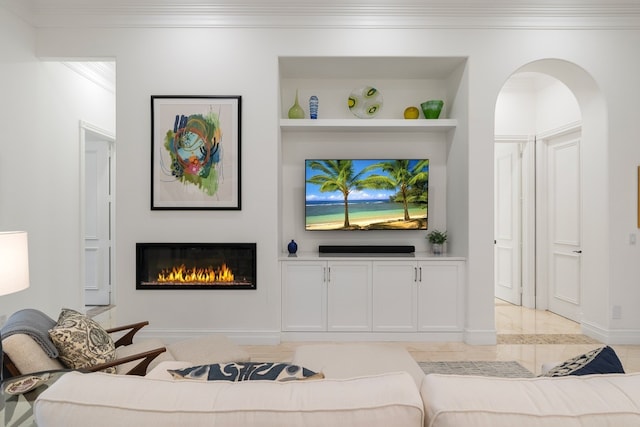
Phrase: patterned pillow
(81, 342)
(599, 361)
(245, 371)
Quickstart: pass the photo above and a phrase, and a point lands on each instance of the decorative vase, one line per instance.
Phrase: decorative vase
(432, 108)
(313, 107)
(436, 248)
(292, 247)
(296, 111)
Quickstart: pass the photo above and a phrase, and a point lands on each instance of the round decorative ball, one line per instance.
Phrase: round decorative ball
(411, 113)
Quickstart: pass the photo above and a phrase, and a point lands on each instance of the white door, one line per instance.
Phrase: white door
(395, 292)
(440, 297)
(349, 296)
(304, 296)
(507, 229)
(564, 222)
(97, 239)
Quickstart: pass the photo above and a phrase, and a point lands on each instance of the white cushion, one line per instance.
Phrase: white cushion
(97, 399)
(585, 401)
(359, 359)
(27, 354)
(214, 348)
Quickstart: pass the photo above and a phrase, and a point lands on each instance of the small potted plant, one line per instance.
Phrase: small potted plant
(437, 240)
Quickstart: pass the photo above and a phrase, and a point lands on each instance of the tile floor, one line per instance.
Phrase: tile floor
(509, 320)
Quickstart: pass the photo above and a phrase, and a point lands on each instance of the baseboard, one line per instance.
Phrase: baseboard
(480, 337)
(372, 336)
(611, 336)
(239, 337)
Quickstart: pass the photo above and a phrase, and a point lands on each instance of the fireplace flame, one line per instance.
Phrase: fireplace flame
(208, 275)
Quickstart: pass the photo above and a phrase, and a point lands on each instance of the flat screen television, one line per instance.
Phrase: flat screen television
(366, 194)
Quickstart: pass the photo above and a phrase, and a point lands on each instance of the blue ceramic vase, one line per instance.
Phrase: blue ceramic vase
(292, 247)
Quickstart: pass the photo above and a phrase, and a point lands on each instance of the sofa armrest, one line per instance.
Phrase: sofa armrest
(140, 369)
(127, 338)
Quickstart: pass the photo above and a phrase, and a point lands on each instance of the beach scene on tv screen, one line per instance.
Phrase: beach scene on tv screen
(359, 194)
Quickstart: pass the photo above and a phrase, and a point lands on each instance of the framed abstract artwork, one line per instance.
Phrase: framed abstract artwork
(195, 152)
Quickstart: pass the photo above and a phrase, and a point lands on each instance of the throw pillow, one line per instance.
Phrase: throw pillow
(244, 372)
(599, 361)
(81, 342)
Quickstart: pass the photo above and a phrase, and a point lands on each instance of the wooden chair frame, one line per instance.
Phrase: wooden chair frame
(140, 369)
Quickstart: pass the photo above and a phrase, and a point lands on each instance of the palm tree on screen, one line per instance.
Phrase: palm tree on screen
(339, 175)
(410, 181)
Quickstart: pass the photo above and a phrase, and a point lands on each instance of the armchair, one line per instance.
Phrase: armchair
(27, 347)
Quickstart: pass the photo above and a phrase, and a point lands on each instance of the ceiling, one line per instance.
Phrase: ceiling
(614, 14)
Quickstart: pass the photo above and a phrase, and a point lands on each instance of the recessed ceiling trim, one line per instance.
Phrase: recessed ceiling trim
(332, 14)
(101, 73)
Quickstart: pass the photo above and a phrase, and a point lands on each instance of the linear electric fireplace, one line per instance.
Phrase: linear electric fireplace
(195, 266)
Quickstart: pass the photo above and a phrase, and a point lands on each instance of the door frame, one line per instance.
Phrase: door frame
(84, 128)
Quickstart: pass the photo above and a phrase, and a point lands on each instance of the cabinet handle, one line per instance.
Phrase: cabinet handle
(420, 268)
(328, 274)
(415, 274)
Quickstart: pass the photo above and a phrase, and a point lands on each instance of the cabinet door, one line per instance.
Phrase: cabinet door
(440, 295)
(304, 296)
(394, 296)
(349, 296)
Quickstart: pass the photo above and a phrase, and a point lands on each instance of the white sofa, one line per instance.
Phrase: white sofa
(364, 385)
(571, 401)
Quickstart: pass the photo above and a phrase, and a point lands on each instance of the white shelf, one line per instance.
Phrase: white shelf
(363, 125)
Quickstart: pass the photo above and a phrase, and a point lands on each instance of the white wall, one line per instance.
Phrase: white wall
(41, 108)
(244, 62)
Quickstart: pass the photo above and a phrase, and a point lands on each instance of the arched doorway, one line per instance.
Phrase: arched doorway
(550, 145)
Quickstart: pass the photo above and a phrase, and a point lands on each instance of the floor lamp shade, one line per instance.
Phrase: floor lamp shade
(14, 262)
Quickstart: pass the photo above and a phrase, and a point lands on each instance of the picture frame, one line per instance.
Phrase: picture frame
(195, 152)
(638, 197)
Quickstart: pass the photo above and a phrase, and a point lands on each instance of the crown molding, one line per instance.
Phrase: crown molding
(101, 73)
(437, 14)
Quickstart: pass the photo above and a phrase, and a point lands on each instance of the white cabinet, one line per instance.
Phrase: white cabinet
(326, 296)
(410, 296)
(349, 296)
(304, 296)
(395, 296)
(441, 296)
(373, 296)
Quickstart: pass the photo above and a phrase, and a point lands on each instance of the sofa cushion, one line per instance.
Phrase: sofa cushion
(350, 360)
(82, 342)
(114, 400)
(212, 348)
(245, 372)
(599, 361)
(571, 401)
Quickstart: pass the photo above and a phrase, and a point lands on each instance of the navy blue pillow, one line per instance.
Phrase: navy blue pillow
(599, 361)
(244, 371)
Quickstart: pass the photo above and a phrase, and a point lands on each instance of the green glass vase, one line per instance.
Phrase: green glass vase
(296, 111)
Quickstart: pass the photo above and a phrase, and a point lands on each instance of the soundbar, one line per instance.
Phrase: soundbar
(366, 249)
